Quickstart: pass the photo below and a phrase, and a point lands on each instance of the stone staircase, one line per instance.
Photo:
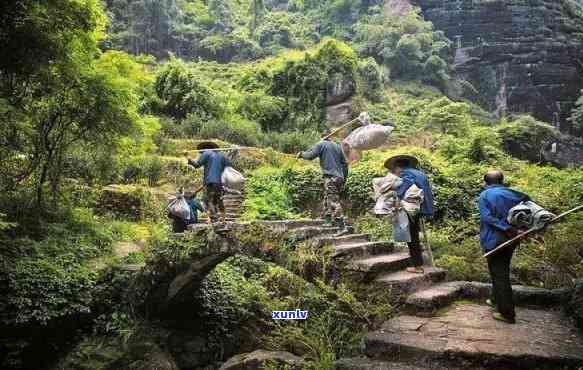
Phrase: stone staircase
(233, 207)
(446, 325)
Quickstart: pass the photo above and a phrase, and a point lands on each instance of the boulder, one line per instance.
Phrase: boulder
(339, 114)
(340, 89)
(145, 356)
(576, 303)
(260, 358)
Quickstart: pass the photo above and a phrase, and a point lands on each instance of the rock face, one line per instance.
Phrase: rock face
(258, 359)
(515, 55)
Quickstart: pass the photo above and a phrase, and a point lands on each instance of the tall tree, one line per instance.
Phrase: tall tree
(257, 13)
(51, 94)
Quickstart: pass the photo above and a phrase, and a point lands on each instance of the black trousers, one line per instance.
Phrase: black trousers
(415, 248)
(499, 266)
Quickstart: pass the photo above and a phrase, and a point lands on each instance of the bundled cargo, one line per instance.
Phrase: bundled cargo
(179, 208)
(528, 215)
(368, 137)
(233, 179)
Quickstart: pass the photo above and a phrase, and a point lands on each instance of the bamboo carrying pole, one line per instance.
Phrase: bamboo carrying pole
(227, 149)
(532, 231)
(340, 128)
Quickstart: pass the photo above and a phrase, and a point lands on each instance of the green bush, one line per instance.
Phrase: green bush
(235, 130)
(181, 92)
(370, 77)
(305, 187)
(525, 137)
(380, 229)
(291, 142)
(267, 198)
(405, 44)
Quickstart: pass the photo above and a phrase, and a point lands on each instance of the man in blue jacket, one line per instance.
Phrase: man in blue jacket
(406, 167)
(495, 202)
(214, 164)
(334, 170)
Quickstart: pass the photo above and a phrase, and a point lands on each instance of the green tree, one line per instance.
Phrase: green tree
(182, 92)
(406, 45)
(257, 13)
(446, 116)
(58, 98)
(221, 11)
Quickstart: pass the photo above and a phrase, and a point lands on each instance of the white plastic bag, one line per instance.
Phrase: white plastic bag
(179, 208)
(368, 137)
(401, 227)
(233, 179)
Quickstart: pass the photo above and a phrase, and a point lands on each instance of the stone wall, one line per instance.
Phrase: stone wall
(515, 55)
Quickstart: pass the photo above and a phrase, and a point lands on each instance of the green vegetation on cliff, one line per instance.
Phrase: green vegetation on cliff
(101, 104)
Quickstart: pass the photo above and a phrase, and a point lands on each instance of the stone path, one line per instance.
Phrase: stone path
(444, 325)
(539, 339)
(233, 207)
(443, 330)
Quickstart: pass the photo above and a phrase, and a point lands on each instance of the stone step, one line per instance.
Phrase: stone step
(233, 202)
(310, 232)
(467, 332)
(435, 297)
(364, 249)
(405, 282)
(288, 225)
(365, 363)
(383, 263)
(441, 295)
(233, 198)
(344, 240)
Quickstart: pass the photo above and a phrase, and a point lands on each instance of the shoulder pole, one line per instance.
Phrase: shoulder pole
(532, 231)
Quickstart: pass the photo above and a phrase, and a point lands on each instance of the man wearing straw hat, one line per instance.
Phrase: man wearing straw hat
(406, 167)
(334, 170)
(214, 163)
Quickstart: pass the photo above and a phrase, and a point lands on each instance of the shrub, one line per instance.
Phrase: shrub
(236, 130)
(380, 229)
(181, 92)
(268, 197)
(269, 111)
(370, 79)
(291, 142)
(446, 116)
(305, 188)
(525, 138)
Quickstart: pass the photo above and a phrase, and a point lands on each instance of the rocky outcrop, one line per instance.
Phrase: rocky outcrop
(145, 356)
(260, 358)
(338, 99)
(514, 55)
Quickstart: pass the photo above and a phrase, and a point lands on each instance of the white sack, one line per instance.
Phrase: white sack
(368, 137)
(179, 208)
(233, 179)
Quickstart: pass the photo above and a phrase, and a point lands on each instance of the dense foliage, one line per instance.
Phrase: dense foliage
(100, 104)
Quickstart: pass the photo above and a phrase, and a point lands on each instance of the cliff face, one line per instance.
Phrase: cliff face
(515, 55)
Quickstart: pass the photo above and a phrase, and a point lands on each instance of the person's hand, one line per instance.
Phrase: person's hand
(191, 162)
(512, 232)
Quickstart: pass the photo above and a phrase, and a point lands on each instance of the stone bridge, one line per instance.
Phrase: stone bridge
(180, 278)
